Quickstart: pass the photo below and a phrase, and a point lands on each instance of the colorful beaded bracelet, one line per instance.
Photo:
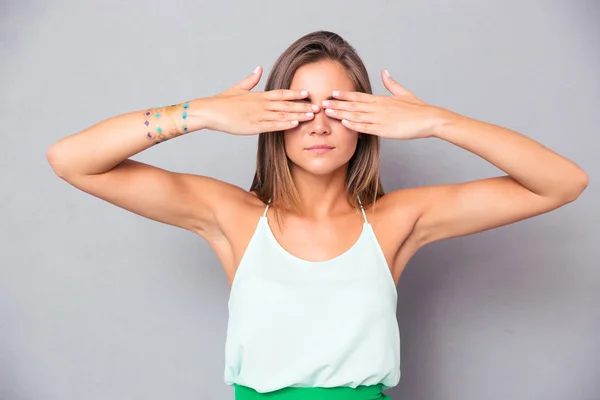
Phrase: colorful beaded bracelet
(159, 130)
(185, 115)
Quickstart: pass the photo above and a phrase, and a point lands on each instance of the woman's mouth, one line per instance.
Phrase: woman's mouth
(320, 148)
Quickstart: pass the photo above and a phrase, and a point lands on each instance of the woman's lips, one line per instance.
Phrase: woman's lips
(320, 149)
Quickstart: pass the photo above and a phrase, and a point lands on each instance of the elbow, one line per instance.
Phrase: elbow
(54, 160)
(51, 157)
(577, 185)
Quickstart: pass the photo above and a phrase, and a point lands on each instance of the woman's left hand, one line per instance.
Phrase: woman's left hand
(401, 116)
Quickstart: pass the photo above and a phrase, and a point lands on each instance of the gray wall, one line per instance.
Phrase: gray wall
(98, 303)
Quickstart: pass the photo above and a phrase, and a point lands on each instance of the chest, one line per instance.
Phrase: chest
(313, 242)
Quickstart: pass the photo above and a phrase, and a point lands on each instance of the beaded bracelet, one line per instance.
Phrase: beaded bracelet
(185, 115)
(159, 130)
(147, 123)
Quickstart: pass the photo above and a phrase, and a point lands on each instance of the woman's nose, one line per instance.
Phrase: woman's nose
(320, 124)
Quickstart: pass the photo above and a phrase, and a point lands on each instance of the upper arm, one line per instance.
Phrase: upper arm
(183, 200)
(447, 211)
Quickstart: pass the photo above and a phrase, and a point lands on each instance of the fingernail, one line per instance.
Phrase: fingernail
(336, 92)
(256, 70)
(315, 107)
(309, 114)
(304, 92)
(325, 103)
(386, 72)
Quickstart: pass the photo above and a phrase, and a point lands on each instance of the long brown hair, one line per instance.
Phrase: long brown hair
(273, 178)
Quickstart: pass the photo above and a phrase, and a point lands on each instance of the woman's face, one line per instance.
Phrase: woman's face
(320, 79)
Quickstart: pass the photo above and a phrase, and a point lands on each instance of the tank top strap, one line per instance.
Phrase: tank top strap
(265, 213)
(362, 209)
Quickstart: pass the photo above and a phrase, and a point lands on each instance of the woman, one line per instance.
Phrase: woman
(312, 308)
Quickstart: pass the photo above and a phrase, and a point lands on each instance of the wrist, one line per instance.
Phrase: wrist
(198, 114)
(443, 122)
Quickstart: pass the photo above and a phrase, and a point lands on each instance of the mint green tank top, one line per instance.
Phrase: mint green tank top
(295, 323)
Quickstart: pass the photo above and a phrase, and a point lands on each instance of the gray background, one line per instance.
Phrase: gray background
(99, 303)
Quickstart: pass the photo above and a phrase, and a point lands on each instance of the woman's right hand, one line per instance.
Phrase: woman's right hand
(241, 112)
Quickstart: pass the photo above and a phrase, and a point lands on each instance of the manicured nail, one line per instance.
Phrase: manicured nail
(309, 114)
(336, 93)
(304, 92)
(256, 70)
(325, 103)
(386, 72)
(315, 107)
(330, 111)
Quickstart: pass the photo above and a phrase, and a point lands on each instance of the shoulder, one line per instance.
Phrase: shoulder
(394, 217)
(404, 203)
(225, 202)
(240, 209)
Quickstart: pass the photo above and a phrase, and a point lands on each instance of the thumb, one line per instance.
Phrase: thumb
(394, 87)
(250, 81)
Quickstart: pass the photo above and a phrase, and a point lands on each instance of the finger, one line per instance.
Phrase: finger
(274, 126)
(285, 94)
(354, 96)
(285, 116)
(371, 129)
(250, 81)
(348, 105)
(351, 115)
(291, 106)
(392, 86)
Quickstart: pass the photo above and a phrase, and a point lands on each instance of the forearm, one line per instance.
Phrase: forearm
(102, 146)
(533, 165)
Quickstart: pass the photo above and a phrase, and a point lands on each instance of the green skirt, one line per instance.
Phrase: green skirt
(373, 392)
